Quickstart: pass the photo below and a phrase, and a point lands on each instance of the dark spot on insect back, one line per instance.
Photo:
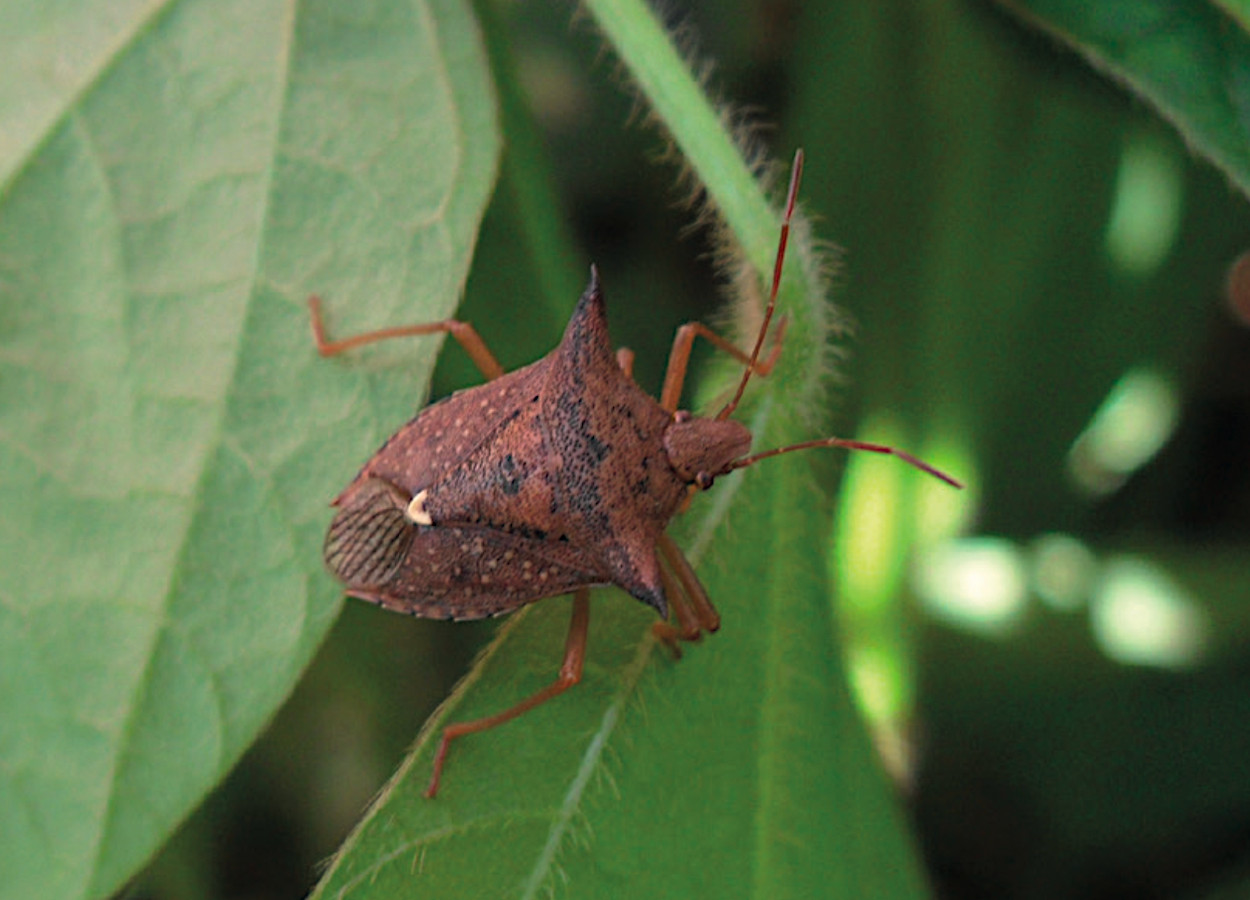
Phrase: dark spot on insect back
(597, 447)
(511, 476)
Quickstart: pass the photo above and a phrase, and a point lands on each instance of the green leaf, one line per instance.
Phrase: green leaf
(178, 178)
(1189, 58)
(740, 771)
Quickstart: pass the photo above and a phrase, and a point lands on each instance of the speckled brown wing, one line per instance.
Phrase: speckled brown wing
(445, 572)
(442, 435)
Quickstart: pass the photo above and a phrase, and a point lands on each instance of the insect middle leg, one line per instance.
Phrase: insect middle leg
(464, 333)
(570, 674)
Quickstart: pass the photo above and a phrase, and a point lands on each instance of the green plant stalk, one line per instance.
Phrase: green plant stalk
(679, 102)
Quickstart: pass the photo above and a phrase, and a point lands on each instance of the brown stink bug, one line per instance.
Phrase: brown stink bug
(553, 478)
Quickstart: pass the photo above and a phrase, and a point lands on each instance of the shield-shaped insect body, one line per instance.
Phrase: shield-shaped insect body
(553, 478)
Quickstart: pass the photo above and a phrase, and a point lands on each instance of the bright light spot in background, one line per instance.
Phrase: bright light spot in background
(976, 583)
(1146, 211)
(866, 564)
(1129, 428)
(879, 682)
(884, 509)
(943, 512)
(1063, 571)
(876, 525)
(1141, 617)
(884, 691)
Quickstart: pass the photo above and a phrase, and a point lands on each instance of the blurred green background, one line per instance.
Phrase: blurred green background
(1054, 663)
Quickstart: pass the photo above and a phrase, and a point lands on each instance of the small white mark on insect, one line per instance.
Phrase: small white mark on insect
(484, 579)
(508, 554)
(464, 548)
(416, 510)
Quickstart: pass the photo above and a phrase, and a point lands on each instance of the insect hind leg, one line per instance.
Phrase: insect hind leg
(570, 674)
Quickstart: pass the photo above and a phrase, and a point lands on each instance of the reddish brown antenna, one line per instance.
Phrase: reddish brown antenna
(796, 175)
(850, 445)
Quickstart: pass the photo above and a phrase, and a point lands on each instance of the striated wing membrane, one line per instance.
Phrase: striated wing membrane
(369, 538)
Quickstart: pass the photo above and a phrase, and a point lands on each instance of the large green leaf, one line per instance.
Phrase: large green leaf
(740, 771)
(177, 179)
(1187, 57)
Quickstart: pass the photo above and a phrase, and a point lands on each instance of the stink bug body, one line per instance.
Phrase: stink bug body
(553, 478)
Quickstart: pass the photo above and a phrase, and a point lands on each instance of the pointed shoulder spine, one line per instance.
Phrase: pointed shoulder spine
(586, 340)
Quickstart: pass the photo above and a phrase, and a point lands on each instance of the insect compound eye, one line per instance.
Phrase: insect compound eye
(704, 480)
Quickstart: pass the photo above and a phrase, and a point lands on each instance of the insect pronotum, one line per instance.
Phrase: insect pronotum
(553, 478)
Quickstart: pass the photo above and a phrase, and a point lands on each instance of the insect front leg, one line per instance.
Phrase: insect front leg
(570, 674)
(464, 333)
(679, 358)
(692, 608)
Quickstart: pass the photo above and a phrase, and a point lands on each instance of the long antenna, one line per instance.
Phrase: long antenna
(796, 174)
(849, 445)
